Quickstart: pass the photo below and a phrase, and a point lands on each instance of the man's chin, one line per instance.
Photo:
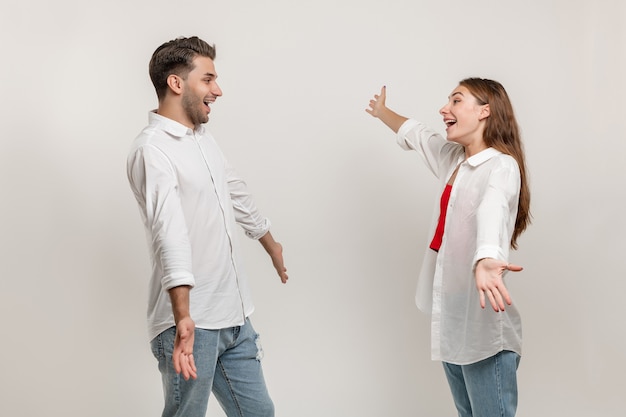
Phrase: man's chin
(200, 121)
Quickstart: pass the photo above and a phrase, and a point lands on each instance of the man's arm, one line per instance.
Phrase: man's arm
(155, 184)
(275, 251)
(182, 356)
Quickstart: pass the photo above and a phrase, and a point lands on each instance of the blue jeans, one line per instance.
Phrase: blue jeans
(487, 388)
(228, 363)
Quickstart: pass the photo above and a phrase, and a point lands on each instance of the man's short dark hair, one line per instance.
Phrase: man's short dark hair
(176, 57)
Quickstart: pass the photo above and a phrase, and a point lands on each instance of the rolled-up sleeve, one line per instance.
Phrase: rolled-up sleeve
(246, 213)
(434, 149)
(153, 181)
(496, 214)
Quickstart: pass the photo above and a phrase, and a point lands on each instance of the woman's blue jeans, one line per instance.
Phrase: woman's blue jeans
(228, 362)
(487, 388)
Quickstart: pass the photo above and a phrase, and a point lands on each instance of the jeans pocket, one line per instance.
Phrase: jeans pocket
(156, 345)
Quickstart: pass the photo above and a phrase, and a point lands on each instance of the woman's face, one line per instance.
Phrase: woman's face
(464, 117)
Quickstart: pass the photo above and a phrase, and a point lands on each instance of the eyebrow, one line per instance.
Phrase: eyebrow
(209, 74)
(454, 94)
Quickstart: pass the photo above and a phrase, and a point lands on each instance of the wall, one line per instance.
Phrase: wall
(343, 338)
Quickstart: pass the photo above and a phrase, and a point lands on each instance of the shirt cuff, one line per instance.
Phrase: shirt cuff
(177, 280)
(407, 126)
(259, 232)
(487, 252)
(405, 129)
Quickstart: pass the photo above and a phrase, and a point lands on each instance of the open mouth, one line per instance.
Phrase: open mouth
(449, 122)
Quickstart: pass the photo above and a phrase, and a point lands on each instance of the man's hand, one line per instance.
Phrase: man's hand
(183, 349)
(182, 357)
(279, 263)
(275, 251)
(489, 281)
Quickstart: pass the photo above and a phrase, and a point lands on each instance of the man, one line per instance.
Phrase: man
(190, 199)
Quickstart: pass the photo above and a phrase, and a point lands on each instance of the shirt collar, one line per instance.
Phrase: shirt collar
(482, 156)
(172, 127)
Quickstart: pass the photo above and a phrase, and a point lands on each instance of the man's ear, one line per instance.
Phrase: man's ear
(175, 83)
(484, 112)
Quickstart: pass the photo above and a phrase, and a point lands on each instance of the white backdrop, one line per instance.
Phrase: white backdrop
(343, 338)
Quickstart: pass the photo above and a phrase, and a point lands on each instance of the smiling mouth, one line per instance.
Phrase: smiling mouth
(450, 122)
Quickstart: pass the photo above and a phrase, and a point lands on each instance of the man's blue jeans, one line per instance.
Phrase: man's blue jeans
(487, 388)
(228, 363)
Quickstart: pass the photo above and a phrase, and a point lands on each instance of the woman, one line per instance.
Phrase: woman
(484, 207)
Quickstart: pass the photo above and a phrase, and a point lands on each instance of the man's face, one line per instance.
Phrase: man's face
(200, 90)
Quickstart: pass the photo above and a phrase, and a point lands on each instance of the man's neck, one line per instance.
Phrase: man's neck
(175, 112)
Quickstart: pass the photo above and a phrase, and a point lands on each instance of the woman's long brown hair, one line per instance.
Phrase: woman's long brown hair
(502, 133)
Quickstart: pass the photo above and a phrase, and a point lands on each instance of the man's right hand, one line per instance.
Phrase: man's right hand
(182, 356)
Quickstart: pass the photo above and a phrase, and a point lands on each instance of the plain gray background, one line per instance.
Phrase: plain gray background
(343, 338)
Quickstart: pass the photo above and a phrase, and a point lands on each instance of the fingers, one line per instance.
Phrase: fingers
(513, 268)
(279, 264)
(184, 364)
(373, 107)
(189, 367)
(192, 365)
(496, 301)
(377, 101)
(490, 285)
(492, 300)
(182, 356)
(504, 296)
(497, 297)
(283, 275)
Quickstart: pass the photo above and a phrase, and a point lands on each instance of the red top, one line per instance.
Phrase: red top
(445, 197)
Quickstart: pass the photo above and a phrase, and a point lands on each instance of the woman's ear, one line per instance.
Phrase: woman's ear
(485, 112)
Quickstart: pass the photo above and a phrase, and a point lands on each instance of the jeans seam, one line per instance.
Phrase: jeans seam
(499, 385)
(177, 391)
(230, 387)
(157, 348)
